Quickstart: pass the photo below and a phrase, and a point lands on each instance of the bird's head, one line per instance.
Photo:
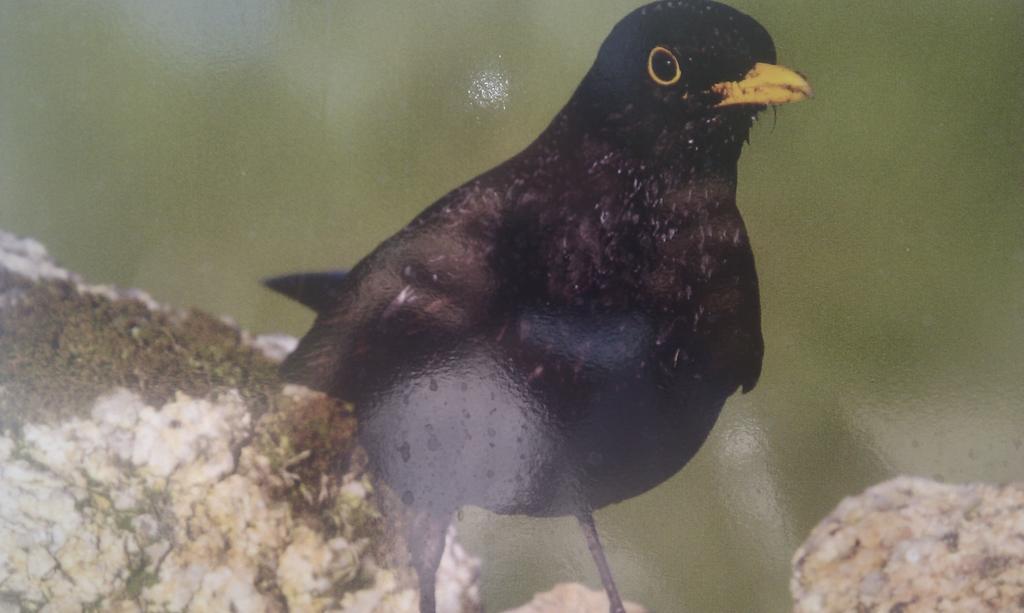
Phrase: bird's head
(685, 71)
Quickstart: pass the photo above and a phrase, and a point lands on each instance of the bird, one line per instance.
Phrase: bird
(560, 333)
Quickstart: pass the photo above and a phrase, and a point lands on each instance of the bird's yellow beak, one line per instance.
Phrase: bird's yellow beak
(764, 84)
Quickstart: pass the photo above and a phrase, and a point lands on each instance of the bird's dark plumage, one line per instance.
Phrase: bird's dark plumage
(560, 332)
(316, 290)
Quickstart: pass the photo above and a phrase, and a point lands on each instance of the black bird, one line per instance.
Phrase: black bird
(560, 332)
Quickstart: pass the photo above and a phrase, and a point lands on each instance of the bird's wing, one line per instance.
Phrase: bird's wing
(432, 279)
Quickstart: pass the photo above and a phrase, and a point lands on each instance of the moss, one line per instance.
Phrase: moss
(307, 436)
(96, 606)
(311, 437)
(123, 520)
(61, 348)
(138, 580)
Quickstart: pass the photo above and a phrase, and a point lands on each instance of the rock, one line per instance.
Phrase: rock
(916, 545)
(573, 597)
(150, 459)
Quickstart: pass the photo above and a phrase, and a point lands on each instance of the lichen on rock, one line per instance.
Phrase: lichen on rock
(63, 343)
(151, 459)
(141, 507)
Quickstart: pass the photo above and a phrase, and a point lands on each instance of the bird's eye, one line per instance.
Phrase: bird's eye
(663, 67)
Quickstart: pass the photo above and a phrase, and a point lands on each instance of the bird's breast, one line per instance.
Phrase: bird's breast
(627, 407)
(602, 343)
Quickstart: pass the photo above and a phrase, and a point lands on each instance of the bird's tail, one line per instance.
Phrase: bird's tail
(316, 290)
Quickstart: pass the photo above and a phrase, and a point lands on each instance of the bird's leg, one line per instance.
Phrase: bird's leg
(425, 538)
(594, 543)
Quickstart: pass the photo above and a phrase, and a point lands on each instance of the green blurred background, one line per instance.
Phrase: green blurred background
(191, 148)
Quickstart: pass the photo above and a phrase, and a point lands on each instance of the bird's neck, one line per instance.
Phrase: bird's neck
(700, 151)
(678, 170)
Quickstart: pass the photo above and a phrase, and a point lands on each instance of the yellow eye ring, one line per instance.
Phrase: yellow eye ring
(663, 67)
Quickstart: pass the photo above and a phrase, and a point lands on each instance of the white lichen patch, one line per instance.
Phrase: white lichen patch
(171, 508)
(275, 346)
(310, 567)
(28, 258)
(457, 577)
(92, 507)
